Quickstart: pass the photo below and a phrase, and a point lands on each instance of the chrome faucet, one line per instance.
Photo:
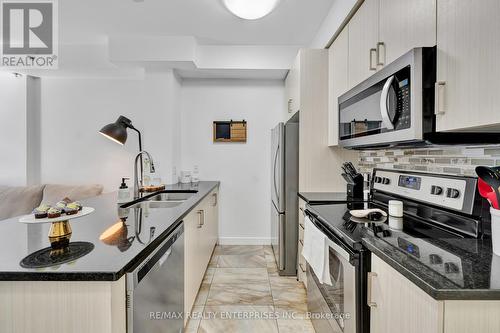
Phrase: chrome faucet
(138, 184)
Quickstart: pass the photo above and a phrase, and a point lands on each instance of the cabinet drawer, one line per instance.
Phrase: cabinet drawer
(301, 270)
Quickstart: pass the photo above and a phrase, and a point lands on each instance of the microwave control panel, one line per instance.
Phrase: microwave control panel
(403, 105)
(400, 99)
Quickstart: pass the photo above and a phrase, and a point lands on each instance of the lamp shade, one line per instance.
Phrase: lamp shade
(116, 131)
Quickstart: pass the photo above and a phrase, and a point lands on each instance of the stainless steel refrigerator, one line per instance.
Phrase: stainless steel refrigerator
(284, 187)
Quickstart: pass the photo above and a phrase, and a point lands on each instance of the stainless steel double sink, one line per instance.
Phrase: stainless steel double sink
(163, 199)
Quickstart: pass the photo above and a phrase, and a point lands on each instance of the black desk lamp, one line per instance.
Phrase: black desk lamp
(117, 132)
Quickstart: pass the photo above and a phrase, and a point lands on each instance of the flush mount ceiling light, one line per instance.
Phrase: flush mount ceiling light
(250, 9)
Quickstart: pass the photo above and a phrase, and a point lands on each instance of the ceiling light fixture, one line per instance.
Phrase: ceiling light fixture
(250, 9)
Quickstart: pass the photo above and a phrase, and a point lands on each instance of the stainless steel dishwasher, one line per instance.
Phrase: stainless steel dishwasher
(155, 289)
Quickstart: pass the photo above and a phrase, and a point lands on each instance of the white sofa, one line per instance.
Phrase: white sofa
(16, 201)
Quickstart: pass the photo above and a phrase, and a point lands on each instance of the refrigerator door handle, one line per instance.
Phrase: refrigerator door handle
(274, 176)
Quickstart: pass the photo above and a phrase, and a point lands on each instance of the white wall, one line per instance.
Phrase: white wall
(73, 111)
(13, 127)
(243, 169)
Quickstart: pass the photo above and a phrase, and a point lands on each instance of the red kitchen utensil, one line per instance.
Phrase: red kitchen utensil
(487, 192)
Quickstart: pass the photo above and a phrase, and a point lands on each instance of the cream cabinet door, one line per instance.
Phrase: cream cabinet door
(200, 233)
(301, 262)
(405, 24)
(397, 305)
(191, 262)
(214, 219)
(338, 77)
(363, 39)
(204, 235)
(468, 64)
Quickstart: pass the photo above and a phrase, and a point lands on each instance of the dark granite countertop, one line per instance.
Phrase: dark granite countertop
(465, 268)
(318, 198)
(479, 269)
(104, 262)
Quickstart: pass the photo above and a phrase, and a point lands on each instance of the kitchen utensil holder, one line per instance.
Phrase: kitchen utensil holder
(495, 230)
(355, 188)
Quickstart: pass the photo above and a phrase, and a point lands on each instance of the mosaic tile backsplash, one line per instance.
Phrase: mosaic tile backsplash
(455, 160)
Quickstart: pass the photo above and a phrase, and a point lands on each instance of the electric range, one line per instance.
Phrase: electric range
(439, 212)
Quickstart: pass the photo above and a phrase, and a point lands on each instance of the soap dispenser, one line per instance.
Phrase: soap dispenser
(124, 192)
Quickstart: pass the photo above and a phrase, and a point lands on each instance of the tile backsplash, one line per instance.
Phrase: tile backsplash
(455, 160)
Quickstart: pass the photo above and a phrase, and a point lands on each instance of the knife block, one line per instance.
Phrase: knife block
(355, 189)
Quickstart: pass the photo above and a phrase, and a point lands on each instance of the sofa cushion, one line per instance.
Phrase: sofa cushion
(16, 201)
(54, 192)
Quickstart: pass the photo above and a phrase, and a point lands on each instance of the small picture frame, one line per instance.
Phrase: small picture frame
(230, 131)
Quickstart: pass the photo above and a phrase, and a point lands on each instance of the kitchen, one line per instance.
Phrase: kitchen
(320, 176)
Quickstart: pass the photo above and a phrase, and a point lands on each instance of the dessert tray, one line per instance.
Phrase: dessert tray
(64, 217)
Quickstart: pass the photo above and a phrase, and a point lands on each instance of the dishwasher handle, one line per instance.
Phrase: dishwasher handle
(165, 257)
(155, 260)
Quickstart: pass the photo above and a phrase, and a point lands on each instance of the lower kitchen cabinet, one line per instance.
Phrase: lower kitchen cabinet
(63, 306)
(200, 237)
(301, 262)
(397, 305)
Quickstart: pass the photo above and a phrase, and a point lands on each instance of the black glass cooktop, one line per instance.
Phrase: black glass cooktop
(456, 260)
(422, 224)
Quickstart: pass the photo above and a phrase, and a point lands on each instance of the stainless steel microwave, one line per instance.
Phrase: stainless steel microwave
(395, 107)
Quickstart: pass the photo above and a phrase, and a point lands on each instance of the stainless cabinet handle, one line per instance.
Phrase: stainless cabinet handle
(439, 107)
(302, 268)
(201, 218)
(301, 225)
(372, 67)
(302, 210)
(380, 54)
(369, 288)
(215, 199)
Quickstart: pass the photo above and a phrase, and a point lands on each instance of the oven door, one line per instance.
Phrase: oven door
(333, 308)
(386, 108)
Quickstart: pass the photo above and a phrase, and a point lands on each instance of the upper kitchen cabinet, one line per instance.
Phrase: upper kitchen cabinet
(467, 70)
(383, 30)
(363, 38)
(317, 161)
(292, 88)
(403, 25)
(338, 80)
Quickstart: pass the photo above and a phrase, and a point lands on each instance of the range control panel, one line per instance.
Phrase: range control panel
(451, 192)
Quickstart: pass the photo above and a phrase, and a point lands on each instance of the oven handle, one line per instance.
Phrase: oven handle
(383, 104)
(335, 241)
(343, 253)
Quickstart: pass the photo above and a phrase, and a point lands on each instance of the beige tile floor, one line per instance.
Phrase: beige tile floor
(242, 292)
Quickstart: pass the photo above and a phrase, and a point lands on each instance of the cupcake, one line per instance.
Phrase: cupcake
(79, 205)
(61, 205)
(53, 212)
(71, 208)
(41, 211)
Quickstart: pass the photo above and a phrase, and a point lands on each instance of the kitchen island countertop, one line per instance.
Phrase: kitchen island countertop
(144, 229)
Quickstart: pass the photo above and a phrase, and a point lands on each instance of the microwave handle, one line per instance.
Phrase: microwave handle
(383, 104)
